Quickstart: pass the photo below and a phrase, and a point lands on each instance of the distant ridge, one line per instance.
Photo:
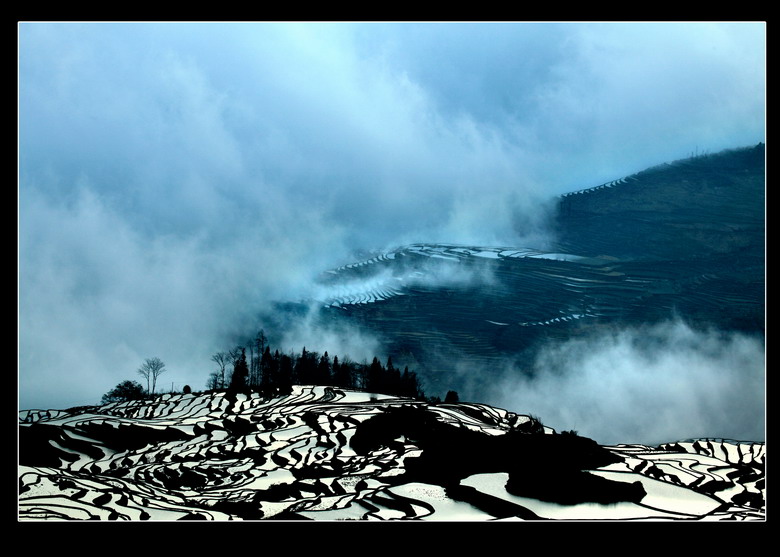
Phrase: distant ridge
(611, 184)
(745, 157)
(704, 205)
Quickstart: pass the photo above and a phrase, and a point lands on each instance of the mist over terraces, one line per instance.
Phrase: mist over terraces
(684, 240)
(391, 271)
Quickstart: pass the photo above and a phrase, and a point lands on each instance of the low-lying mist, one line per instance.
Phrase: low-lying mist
(652, 384)
(373, 279)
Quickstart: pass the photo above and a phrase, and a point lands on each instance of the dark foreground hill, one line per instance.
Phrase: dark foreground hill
(327, 454)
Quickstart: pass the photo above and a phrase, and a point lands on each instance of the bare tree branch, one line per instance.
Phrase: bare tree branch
(150, 370)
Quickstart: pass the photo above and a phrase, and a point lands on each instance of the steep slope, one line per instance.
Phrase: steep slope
(326, 454)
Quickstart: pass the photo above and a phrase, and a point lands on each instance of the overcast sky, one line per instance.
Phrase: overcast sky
(175, 178)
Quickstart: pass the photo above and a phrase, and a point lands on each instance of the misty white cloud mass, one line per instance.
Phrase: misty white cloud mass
(176, 178)
(650, 385)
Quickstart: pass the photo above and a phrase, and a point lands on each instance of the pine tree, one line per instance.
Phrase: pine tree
(256, 367)
(392, 379)
(343, 373)
(323, 375)
(284, 386)
(238, 382)
(267, 375)
(410, 386)
(260, 341)
(300, 369)
(375, 377)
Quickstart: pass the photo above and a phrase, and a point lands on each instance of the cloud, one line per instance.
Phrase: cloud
(177, 178)
(306, 328)
(607, 98)
(652, 384)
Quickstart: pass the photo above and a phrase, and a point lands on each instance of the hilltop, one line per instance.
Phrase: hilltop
(322, 453)
(707, 205)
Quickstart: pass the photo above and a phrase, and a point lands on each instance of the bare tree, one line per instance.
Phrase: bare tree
(235, 353)
(214, 381)
(222, 359)
(150, 370)
(260, 341)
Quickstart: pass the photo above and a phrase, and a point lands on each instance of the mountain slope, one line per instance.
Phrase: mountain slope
(704, 205)
(327, 454)
(683, 240)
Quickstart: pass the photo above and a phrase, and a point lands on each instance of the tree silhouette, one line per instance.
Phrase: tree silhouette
(306, 368)
(374, 376)
(214, 382)
(268, 372)
(274, 374)
(251, 376)
(222, 359)
(126, 390)
(344, 374)
(284, 386)
(323, 374)
(410, 386)
(150, 370)
(392, 378)
(240, 373)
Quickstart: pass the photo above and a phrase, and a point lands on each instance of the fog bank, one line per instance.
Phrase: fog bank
(653, 384)
(176, 179)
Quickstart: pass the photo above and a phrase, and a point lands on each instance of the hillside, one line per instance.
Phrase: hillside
(328, 454)
(695, 207)
(682, 240)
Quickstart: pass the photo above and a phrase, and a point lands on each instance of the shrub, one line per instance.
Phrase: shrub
(126, 390)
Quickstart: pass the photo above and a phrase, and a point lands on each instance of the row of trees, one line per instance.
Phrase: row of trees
(131, 390)
(150, 370)
(274, 373)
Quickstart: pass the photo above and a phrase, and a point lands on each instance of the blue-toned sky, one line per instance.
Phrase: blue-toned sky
(175, 178)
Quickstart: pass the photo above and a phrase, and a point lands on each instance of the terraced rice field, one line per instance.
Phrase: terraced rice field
(531, 298)
(683, 240)
(307, 455)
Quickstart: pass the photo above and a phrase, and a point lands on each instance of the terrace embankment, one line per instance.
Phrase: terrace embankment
(329, 454)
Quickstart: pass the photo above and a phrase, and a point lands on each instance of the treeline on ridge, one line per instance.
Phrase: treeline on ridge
(273, 373)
